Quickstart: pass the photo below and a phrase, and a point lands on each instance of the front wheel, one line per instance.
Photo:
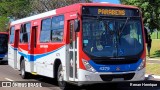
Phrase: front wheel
(24, 74)
(62, 84)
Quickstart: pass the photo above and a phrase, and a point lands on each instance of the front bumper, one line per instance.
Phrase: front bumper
(5, 58)
(86, 77)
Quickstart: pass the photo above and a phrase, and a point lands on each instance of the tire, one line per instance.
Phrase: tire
(24, 74)
(62, 84)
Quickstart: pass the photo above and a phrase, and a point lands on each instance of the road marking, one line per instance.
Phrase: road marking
(152, 59)
(8, 79)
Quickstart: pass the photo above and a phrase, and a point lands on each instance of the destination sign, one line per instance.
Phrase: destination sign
(109, 11)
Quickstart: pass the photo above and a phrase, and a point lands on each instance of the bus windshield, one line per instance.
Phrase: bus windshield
(3, 43)
(112, 37)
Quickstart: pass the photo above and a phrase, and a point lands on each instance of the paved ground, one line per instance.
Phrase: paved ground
(152, 60)
(9, 74)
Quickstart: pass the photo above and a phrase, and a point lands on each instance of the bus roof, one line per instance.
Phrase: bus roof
(108, 4)
(66, 9)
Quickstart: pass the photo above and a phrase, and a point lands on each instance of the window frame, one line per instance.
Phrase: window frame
(23, 26)
(12, 33)
(58, 29)
(45, 30)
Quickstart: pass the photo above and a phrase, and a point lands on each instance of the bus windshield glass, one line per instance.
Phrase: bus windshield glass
(3, 43)
(112, 37)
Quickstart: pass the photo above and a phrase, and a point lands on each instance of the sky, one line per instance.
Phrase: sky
(110, 1)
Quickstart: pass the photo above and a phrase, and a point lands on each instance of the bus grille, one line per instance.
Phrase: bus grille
(115, 62)
(127, 76)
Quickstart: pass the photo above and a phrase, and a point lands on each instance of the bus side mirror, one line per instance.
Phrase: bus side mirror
(76, 25)
(146, 35)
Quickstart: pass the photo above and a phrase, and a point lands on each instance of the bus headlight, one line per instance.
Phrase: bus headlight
(5, 55)
(142, 65)
(88, 66)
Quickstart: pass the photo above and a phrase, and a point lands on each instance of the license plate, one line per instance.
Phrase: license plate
(118, 79)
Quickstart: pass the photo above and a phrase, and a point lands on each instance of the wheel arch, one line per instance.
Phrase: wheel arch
(56, 64)
(21, 58)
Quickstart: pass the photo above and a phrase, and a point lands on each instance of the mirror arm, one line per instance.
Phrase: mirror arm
(76, 25)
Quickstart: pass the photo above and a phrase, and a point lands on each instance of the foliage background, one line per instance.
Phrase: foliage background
(16, 9)
(150, 12)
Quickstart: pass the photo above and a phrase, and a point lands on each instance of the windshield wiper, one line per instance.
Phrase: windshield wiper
(124, 26)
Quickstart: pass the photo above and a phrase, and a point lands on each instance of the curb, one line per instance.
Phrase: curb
(153, 59)
(151, 76)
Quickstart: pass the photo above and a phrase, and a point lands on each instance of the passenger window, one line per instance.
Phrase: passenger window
(12, 35)
(25, 33)
(45, 30)
(57, 28)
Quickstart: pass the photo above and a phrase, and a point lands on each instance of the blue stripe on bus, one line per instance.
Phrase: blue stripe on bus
(13, 48)
(115, 68)
(32, 57)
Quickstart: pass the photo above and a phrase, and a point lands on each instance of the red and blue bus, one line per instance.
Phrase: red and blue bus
(81, 42)
(3, 46)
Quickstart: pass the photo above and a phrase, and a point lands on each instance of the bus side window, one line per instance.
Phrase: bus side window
(45, 30)
(21, 34)
(57, 28)
(25, 33)
(12, 35)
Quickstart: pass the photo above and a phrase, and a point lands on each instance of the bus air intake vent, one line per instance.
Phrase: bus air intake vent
(127, 76)
(115, 61)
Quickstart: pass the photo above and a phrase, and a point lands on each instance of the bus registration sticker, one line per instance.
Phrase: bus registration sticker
(104, 68)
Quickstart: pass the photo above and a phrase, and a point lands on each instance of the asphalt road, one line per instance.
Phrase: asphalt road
(9, 74)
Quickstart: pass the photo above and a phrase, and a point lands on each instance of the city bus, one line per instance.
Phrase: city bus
(3, 46)
(79, 43)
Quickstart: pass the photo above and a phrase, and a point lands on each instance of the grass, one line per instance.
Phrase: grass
(155, 49)
(153, 68)
(155, 35)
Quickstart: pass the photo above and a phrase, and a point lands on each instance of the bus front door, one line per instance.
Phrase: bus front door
(16, 46)
(12, 56)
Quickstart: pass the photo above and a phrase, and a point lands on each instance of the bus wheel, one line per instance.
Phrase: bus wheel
(62, 84)
(24, 74)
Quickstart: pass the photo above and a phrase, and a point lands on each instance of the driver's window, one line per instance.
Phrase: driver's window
(86, 33)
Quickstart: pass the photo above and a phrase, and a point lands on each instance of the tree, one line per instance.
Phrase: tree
(39, 6)
(17, 9)
(3, 23)
(14, 9)
(150, 11)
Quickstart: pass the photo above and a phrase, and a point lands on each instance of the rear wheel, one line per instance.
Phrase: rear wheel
(24, 74)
